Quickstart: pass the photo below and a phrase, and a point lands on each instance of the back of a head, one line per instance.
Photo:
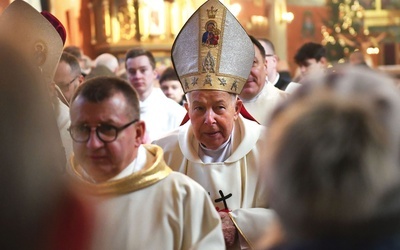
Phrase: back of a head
(30, 181)
(357, 58)
(334, 157)
(267, 44)
(99, 70)
(108, 60)
(72, 61)
(259, 46)
(309, 51)
(74, 50)
(43, 37)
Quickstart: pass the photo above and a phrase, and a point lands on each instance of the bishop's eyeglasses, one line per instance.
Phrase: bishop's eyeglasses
(105, 132)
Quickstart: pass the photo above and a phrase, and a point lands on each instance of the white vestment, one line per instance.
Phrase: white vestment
(261, 106)
(161, 114)
(63, 123)
(292, 87)
(239, 178)
(153, 208)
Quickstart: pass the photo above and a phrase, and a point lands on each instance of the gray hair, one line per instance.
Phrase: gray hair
(334, 150)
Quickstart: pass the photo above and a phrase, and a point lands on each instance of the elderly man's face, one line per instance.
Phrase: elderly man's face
(256, 81)
(212, 114)
(101, 160)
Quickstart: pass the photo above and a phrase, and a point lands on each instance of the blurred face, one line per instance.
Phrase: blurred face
(271, 60)
(311, 66)
(256, 81)
(101, 160)
(172, 89)
(212, 114)
(141, 75)
(67, 80)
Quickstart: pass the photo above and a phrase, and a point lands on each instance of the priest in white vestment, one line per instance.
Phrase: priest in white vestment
(140, 202)
(217, 147)
(259, 96)
(160, 113)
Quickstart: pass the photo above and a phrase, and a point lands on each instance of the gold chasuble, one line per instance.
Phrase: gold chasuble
(153, 208)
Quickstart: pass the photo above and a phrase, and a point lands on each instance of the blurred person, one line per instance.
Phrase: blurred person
(108, 60)
(272, 61)
(99, 70)
(39, 209)
(311, 59)
(333, 163)
(170, 85)
(281, 79)
(259, 96)
(140, 202)
(41, 44)
(84, 61)
(217, 146)
(160, 113)
(67, 77)
(357, 58)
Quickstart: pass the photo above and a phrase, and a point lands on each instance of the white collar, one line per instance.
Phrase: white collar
(217, 155)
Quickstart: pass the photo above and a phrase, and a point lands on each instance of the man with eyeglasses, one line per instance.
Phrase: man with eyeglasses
(141, 202)
(67, 77)
(259, 96)
(272, 63)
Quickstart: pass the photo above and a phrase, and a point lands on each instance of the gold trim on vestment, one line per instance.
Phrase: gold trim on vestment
(241, 232)
(138, 180)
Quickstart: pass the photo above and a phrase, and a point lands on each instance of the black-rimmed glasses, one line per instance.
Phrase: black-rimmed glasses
(105, 132)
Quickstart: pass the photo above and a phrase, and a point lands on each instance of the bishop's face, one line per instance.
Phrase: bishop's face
(212, 114)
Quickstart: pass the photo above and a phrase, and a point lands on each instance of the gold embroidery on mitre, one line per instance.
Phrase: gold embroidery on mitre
(212, 20)
(210, 37)
(222, 81)
(207, 80)
(194, 81)
(227, 83)
(211, 12)
(186, 84)
(40, 52)
(235, 86)
(209, 64)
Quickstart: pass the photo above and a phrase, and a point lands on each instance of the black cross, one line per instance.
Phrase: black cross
(223, 198)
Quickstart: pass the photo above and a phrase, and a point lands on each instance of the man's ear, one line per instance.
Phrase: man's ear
(186, 105)
(140, 132)
(81, 78)
(266, 65)
(238, 107)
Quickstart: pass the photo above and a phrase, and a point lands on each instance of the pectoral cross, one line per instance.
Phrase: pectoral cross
(223, 199)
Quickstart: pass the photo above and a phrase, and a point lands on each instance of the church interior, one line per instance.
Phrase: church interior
(342, 26)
